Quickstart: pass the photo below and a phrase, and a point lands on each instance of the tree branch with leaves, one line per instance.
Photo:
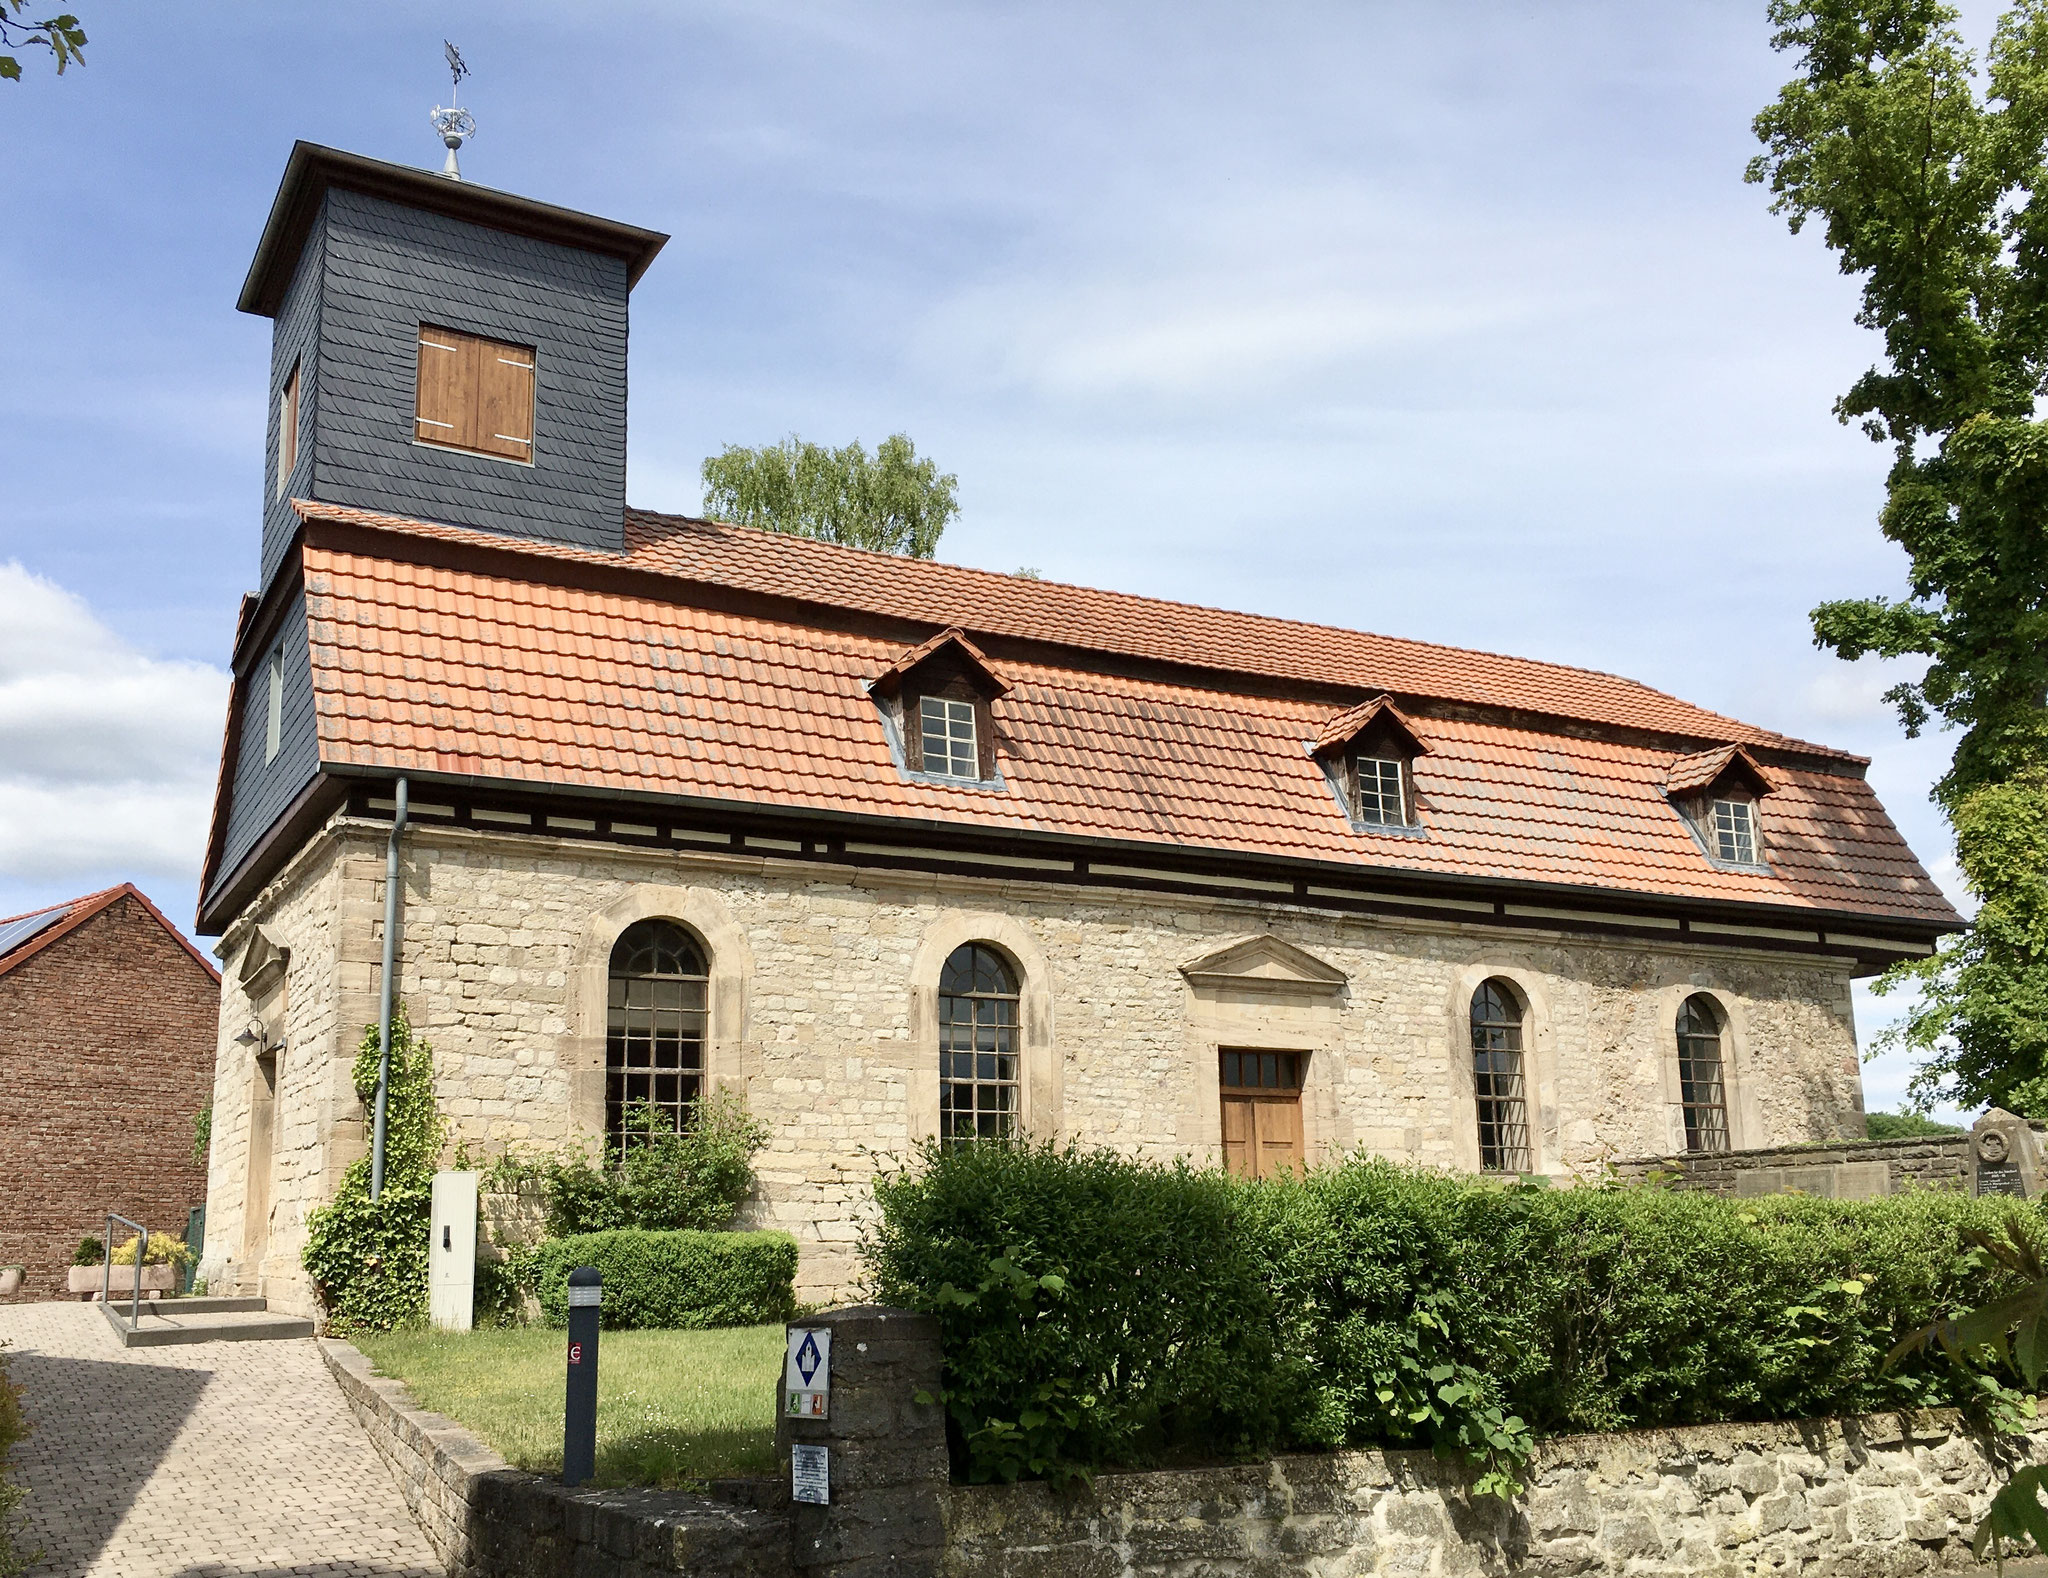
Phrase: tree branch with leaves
(1924, 172)
(60, 35)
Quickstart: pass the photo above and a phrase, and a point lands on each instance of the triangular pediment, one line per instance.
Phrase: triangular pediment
(1265, 964)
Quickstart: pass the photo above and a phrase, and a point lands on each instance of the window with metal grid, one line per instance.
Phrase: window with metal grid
(950, 748)
(654, 1032)
(1380, 799)
(1735, 831)
(1497, 1079)
(978, 1095)
(1702, 1091)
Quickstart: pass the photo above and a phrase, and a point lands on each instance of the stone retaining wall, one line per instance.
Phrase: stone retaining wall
(1849, 1170)
(487, 1520)
(1822, 1499)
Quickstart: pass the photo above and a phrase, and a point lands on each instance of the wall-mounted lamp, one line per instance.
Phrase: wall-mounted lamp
(252, 1036)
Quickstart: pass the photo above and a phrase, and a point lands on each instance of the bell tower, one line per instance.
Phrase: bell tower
(443, 351)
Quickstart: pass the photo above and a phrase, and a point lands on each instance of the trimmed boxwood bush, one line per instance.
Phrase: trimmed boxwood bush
(1103, 1311)
(681, 1279)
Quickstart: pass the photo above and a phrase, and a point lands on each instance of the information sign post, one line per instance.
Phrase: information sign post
(579, 1416)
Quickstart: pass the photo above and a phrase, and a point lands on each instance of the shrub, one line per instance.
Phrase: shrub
(202, 1134)
(695, 1178)
(90, 1252)
(1904, 1126)
(368, 1259)
(1374, 1303)
(1147, 1328)
(163, 1250)
(682, 1278)
(13, 1429)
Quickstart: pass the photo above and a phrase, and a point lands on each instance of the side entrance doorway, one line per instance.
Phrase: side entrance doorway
(1261, 1094)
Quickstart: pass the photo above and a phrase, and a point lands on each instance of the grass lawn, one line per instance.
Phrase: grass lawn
(671, 1405)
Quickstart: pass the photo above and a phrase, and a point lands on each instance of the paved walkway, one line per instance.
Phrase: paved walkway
(209, 1461)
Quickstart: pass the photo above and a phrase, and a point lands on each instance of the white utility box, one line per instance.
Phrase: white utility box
(451, 1258)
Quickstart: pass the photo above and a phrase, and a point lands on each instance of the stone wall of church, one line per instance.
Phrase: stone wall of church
(822, 1012)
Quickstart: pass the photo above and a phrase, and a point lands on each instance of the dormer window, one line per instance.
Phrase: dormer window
(948, 731)
(1382, 792)
(1716, 792)
(1735, 832)
(1367, 754)
(937, 700)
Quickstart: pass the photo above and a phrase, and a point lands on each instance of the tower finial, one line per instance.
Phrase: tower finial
(455, 124)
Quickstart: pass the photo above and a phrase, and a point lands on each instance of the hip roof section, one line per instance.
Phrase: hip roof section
(500, 665)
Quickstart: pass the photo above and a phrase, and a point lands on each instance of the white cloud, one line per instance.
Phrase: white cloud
(107, 755)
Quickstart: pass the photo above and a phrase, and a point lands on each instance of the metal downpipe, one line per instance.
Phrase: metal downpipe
(387, 995)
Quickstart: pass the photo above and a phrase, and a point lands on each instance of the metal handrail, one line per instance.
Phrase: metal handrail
(107, 1267)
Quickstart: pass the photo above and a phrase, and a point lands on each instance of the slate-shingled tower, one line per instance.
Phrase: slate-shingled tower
(903, 850)
(362, 267)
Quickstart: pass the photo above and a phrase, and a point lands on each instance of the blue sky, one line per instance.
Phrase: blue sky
(1455, 322)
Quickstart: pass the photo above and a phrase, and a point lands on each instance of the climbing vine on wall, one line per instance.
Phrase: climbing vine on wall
(367, 1258)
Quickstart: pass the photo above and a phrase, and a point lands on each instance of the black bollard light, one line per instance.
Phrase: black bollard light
(579, 1416)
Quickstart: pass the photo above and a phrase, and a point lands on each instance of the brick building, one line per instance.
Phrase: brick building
(107, 1024)
(905, 850)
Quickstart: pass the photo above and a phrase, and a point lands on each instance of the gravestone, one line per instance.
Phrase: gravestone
(849, 1429)
(2005, 1155)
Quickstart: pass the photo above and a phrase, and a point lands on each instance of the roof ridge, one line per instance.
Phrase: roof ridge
(810, 544)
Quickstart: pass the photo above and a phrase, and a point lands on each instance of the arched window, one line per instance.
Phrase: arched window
(1702, 1091)
(654, 1027)
(977, 1046)
(1497, 1078)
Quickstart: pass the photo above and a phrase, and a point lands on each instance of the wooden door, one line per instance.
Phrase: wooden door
(1261, 1094)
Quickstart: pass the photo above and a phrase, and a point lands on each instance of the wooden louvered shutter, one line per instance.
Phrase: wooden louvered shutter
(504, 424)
(474, 393)
(446, 412)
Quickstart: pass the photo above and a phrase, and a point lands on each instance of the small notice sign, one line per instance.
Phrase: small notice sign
(807, 1374)
(2001, 1180)
(810, 1474)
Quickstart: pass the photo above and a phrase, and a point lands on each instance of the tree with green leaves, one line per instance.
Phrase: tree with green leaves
(1923, 171)
(891, 501)
(60, 35)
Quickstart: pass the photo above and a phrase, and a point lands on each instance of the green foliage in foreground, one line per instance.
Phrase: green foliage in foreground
(1100, 1311)
(891, 502)
(1904, 1126)
(681, 1279)
(672, 1406)
(368, 1259)
(667, 1179)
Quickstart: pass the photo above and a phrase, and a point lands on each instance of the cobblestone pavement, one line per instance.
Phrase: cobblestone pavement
(215, 1459)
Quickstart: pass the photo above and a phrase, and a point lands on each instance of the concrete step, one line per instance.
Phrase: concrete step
(204, 1305)
(174, 1321)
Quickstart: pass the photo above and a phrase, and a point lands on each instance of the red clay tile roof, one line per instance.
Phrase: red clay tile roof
(993, 604)
(74, 913)
(503, 672)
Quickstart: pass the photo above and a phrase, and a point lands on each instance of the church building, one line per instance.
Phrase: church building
(902, 850)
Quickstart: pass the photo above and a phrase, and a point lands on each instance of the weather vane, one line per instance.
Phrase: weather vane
(455, 124)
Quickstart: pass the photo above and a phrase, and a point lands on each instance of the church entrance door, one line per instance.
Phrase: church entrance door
(1261, 1094)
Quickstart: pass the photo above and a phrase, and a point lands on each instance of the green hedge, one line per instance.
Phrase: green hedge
(678, 1279)
(1103, 1311)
